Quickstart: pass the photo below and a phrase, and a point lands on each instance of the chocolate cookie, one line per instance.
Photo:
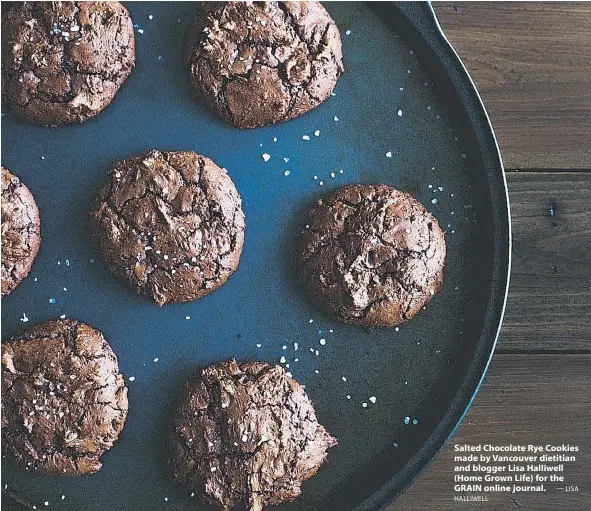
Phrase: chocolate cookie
(258, 63)
(64, 62)
(371, 255)
(20, 231)
(246, 435)
(64, 402)
(170, 224)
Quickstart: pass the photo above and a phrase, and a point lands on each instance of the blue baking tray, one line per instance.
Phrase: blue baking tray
(405, 113)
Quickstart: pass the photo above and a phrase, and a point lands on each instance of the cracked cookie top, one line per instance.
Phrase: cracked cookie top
(170, 224)
(64, 402)
(20, 231)
(258, 63)
(63, 62)
(246, 435)
(371, 255)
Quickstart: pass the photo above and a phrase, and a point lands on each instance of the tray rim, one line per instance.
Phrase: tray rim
(419, 462)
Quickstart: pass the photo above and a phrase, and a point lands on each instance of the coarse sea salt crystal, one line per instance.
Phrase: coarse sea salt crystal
(399, 113)
(305, 137)
(266, 156)
(322, 341)
(372, 399)
(317, 133)
(131, 378)
(389, 154)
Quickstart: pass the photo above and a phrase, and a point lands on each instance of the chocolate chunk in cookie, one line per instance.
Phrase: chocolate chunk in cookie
(371, 255)
(20, 231)
(64, 402)
(170, 224)
(258, 63)
(246, 435)
(64, 62)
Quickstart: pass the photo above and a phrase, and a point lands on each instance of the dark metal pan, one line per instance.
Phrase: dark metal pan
(424, 375)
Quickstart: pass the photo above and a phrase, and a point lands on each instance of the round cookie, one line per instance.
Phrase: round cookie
(246, 435)
(64, 402)
(170, 224)
(258, 63)
(371, 255)
(64, 62)
(20, 231)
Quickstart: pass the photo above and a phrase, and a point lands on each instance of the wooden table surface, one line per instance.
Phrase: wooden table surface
(532, 65)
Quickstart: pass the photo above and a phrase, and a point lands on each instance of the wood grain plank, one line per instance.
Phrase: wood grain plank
(532, 65)
(549, 304)
(526, 399)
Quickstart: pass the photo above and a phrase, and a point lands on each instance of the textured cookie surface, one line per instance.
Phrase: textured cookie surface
(20, 231)
(246, 435)
(64, 402)
(170, 224)
(371, 255)
(257, 63)
(63, 62)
